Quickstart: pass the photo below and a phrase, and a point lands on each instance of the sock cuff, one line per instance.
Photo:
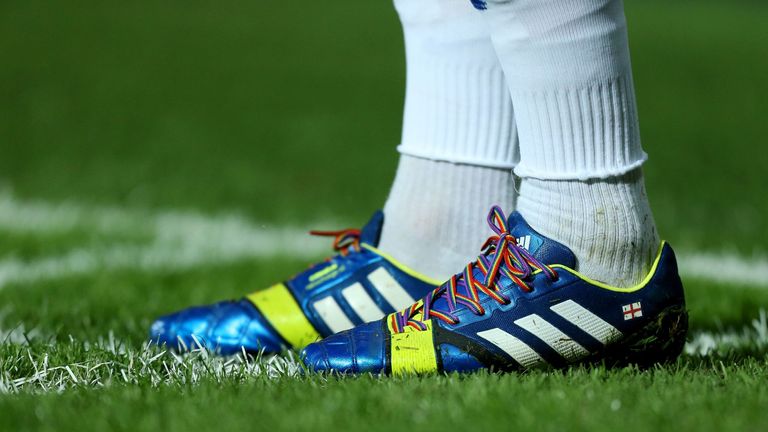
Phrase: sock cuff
(421, 152)
(457, 104)
(527, 172)
(459, 113)
(579, 133)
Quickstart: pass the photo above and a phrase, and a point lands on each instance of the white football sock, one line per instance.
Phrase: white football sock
(435, 217)
(458, 144)
(568, 69)
(457, 105)
(606, 222)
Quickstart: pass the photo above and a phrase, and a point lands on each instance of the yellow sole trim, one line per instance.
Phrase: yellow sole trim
(605, 286)
(413, 352)
(279, 307)
(638, 287)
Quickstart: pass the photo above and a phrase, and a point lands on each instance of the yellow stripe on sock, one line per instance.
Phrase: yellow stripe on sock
(413, 352)
(279, 307)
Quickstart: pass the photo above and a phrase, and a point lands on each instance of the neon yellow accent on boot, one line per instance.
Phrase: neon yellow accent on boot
(413, 352)
(402, 267)
(279, 307)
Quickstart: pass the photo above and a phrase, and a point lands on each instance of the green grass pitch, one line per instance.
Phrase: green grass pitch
(159, 154)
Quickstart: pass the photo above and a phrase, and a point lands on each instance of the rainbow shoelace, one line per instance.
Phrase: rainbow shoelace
(500, 256)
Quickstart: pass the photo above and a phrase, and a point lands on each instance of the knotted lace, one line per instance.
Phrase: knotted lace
(500, 256)
(344, 240)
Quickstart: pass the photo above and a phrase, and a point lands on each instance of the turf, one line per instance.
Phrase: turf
(287, 114)
(687, 398)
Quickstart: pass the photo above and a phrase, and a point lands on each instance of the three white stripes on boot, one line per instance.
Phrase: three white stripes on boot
(367, 310)
(551, 335)
(361, 302)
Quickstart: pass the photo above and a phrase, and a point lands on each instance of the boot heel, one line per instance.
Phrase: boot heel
(659, 342)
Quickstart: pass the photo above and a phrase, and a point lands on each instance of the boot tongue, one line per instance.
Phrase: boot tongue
(371, 232)
(542, 248)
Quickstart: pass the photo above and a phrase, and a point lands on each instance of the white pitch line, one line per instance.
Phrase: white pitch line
(178, 240)
(43, 217)
(183, 240)
(754, 336)
(725, 267)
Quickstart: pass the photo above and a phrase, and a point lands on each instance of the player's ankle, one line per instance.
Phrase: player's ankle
(607, 223)
(433, 216)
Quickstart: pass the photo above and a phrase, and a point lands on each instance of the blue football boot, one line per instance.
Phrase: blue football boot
(357, 285)
(520, 305)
